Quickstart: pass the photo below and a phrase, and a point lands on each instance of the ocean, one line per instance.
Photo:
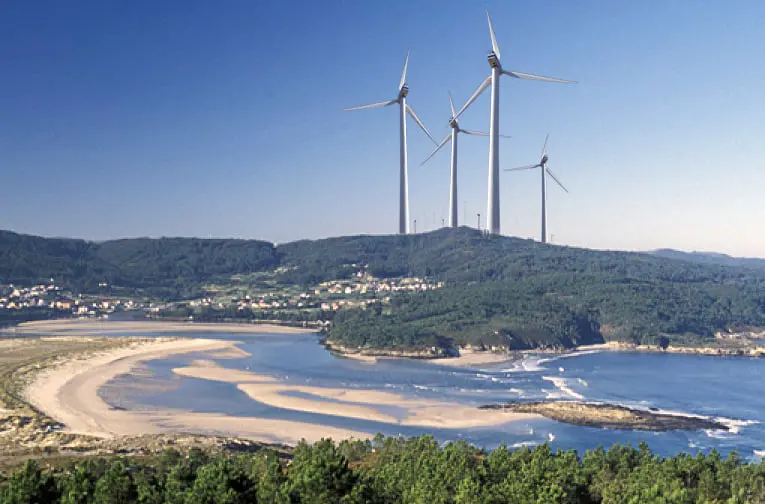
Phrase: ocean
(726, 388)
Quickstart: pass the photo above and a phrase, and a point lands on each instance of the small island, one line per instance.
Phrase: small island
(609, 416)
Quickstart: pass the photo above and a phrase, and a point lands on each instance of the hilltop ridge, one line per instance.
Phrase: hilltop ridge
(499, 291)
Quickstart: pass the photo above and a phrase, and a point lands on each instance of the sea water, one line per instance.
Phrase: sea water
(725, 388)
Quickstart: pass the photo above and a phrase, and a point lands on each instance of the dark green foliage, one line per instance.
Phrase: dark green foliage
(29, 485)
(398, 470)
(115, 486)
(319, 474)
(478, 314)
(500, 290)
(222, 481)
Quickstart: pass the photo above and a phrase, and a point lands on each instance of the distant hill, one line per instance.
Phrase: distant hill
(500, 290)
(711, 258)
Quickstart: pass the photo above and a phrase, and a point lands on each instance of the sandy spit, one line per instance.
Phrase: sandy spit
(68, 392)
(353, 403)
(91, 327)
(470, 358)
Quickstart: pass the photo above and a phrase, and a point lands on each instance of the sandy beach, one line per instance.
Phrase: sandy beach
(68, 391)
(95, 327)
(469, 358)
(351, 403)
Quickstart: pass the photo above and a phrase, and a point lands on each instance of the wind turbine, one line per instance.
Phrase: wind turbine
(497, 70)
(453, 136)
(545, 171)
(404, 108)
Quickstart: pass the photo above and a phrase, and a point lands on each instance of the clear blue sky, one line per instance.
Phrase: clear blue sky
(201, 118)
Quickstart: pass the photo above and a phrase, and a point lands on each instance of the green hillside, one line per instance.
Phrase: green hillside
(500, 290)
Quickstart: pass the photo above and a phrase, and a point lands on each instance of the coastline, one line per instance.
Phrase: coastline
(106, 327)
(67, 390)
(68, 393)
(351, 403)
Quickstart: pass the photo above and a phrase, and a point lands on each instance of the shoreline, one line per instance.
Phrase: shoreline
(360, 404)
(470, 357)
(68, 392)
(106, 326)
(602, 415)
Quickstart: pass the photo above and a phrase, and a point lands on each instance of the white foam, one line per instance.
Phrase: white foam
(759, 453)
(550, 437)
(562, 385)
(521, 444)
(734, 426)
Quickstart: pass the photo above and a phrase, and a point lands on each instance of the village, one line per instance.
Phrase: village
(56, 301)
(51, 300)
(363, 289)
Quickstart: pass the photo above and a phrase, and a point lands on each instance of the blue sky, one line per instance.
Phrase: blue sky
(209, 119)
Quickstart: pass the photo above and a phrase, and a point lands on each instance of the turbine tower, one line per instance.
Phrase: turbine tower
(404, 108)
(453, 180)
(545, 171)
(493, 79)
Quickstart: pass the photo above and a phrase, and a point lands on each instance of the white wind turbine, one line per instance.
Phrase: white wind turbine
(453, 180)
(404, 108)
(493, 79)
(545, 171)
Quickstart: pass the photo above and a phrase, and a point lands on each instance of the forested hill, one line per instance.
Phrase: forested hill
(453, 255)
(712, 258)
(500, 290)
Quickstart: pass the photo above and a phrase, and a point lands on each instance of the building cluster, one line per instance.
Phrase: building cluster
(332, 295)
(52, 297)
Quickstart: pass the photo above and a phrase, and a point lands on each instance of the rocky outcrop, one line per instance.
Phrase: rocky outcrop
(609, 416)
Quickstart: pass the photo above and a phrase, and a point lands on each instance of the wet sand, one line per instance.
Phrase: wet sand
(68, 393)
(95, 327)
(351, 403)
(470, 358)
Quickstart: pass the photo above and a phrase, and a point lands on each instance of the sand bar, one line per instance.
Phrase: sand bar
(353, 403)
(471, 358)
(68, 392)
(96, 327)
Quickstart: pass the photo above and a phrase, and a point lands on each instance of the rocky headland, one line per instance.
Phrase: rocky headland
(609, 416)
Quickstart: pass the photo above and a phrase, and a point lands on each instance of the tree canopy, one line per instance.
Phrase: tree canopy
(396, 470)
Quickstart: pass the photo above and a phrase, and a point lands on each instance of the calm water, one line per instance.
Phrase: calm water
(728, 388)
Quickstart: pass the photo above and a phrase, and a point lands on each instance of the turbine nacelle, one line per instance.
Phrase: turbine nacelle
(544, 160)
(493, 60)
(453, 122)
(403, 91)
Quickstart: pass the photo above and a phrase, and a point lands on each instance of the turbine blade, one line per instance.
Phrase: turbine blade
(443, 142)
(373, 105)
(451, 102)
(477, 93)
(403, 74)
(494, 45)
(419, 123)
(544, 147)
(519, 168)
(555, 178)
(471, 132)
(481, 133)
(521, 75)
